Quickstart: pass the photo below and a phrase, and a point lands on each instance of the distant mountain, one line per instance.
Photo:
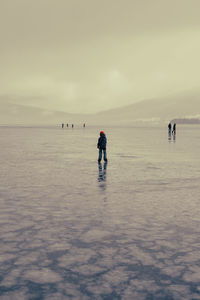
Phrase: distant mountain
(16, 114)
(186, 121)
(186, 105)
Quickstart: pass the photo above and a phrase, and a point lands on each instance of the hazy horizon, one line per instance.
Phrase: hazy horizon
(86, 57)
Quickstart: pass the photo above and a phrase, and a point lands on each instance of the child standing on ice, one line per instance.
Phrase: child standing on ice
(101, 145)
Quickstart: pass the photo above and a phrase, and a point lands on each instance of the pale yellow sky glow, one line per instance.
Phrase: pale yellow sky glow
(85, 56)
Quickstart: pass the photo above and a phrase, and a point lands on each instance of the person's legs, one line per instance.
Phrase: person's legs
(100, 155)
(104, 155)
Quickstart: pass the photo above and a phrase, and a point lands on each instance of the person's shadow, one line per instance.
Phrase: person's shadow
(102, 175)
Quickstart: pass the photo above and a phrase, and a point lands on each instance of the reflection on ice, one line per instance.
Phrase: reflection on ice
(174, 136)
(102, 172)
(169, 136)
(102, 175)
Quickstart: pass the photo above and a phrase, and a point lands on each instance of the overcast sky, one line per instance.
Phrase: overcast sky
(89, 55)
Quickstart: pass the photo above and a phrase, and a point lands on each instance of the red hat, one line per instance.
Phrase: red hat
(101, 132)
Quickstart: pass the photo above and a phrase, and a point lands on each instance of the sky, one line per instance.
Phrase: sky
(85, 56)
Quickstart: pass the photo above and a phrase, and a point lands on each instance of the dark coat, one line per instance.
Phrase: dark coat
(102, 142)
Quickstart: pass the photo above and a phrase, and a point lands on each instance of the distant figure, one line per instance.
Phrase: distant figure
(72, 125)
(170, 127)
(62, 125)
(84, 125)
(101, 145)
(67, 125)
(174, 129)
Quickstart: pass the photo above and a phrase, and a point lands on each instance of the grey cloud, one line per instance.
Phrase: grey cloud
(49, 21)
(85, 56)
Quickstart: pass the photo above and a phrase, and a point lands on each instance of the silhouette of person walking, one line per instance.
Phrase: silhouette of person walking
(174, 129)
(101, 145)
(170, 127)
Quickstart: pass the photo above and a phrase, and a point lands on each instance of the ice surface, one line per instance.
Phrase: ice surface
(70, 229)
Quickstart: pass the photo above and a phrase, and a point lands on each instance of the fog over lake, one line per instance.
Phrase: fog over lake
(73, 229)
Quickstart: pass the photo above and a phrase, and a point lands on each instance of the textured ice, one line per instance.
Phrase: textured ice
(70, 229)
(42, 276)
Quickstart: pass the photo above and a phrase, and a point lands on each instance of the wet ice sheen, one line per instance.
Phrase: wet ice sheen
(70, 229)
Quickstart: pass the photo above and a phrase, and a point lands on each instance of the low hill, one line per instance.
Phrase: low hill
(162, 110)
(16, 114)
(186, 121)
(185, 105)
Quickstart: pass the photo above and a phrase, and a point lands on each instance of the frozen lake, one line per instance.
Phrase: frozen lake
(70, 229)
